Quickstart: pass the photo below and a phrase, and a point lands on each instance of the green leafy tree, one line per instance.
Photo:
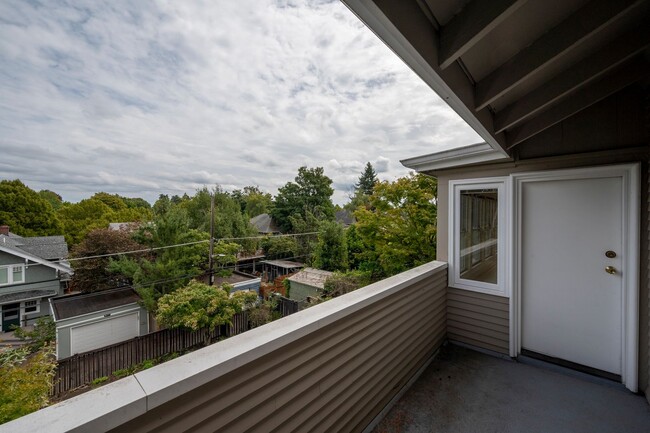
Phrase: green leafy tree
(162, 205)
(355, 246)
(399, 230)
(92, 274)
(311, 192)
(331, 253)
(229, 222)
(25, 386)
(341, 283)
(113, 201)
(41, 335)
(166, 268)
(52, 198)
(80, 218)
(26, 212)
(198, 305)
(136, 202)
(252, 200)
(279, 247)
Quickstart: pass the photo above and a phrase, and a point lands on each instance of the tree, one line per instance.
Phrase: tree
(331, 253)
(279, 247)
(80, 218)
(52, 198)
(182, 254)
(252, 200)
(341, 283)
(26, 212)
(198, 305)
(229, 222)
(311, 192)
(367, 180)
(92, 275)
(399, 230)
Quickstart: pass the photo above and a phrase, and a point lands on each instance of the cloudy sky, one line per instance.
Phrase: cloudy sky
(142, 98)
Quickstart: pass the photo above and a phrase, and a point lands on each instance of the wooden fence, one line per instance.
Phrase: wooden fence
(81, 369)
(287, 306)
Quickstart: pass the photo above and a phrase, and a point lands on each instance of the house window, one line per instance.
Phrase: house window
(12, 274)
(477, 235)
(31, 307)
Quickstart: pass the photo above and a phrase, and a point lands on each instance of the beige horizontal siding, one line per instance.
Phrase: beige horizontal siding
(478, 319)
(337, 378)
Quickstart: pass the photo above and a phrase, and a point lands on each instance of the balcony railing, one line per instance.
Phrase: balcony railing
(332, 367)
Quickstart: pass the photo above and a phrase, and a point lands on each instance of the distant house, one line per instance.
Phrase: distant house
(126, 226)
(344, 217)
(307, 282)
(32, 270)
(238, 280)
(89, 321)
(265, 224)
(276, 268)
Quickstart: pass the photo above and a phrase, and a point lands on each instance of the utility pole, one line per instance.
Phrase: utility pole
(210, 259)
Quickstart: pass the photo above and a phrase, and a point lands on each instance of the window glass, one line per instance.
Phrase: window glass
(31, 306)
(4, 275)
(478, 236)
(17, 274)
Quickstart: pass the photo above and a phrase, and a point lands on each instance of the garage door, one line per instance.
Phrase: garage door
(104, 333)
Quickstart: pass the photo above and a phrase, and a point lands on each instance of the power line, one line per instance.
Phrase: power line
(145, 250)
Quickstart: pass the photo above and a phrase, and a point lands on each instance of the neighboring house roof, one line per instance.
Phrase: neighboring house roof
(45, 247)
(62, 267)
(65, 307)
(128, 226)
(285, 264)
(311, 277)
(264, 223)
(29, 294)
(344, 217)
(234, 278)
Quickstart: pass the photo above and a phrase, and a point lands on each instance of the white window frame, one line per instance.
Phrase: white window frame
(502, 185)
(37, 305)
(10, 274)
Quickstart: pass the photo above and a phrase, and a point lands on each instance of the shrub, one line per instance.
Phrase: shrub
(341, 283)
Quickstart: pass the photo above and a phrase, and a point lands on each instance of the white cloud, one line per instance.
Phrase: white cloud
(147, 98)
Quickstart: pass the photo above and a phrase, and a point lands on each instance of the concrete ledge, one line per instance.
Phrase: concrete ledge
(98, 410)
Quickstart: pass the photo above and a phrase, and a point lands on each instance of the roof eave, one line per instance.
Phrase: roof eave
(473, 154)
(58, 266)
(370, 14)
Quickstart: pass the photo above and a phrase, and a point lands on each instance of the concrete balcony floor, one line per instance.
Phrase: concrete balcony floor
(466, 391)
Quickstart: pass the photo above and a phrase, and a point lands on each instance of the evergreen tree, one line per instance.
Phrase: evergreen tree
(367, 180)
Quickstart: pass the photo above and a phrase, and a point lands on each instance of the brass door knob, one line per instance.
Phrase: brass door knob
(610, 270)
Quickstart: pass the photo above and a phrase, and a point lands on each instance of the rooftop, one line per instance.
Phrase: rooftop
(286, 264)
(45, 247)
(79, 304)
(311, 277)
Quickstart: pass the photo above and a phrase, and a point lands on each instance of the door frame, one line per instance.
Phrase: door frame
(631, 198)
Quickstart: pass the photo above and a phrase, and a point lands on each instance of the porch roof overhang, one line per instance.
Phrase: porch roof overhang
(534, 79)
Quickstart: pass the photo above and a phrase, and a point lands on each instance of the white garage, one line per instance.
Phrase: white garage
(91, 321)
(104, 333)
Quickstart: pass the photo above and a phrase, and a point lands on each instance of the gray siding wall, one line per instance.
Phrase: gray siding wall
(335, 378)
(37, 276)
(300, 291)
(478, 319)
(570, 161)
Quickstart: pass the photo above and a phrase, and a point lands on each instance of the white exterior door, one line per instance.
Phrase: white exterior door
(99, 334)
(571, 306)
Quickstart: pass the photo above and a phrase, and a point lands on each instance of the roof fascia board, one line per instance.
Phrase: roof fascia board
(33, 258)
(375, 19)
(474, 154)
